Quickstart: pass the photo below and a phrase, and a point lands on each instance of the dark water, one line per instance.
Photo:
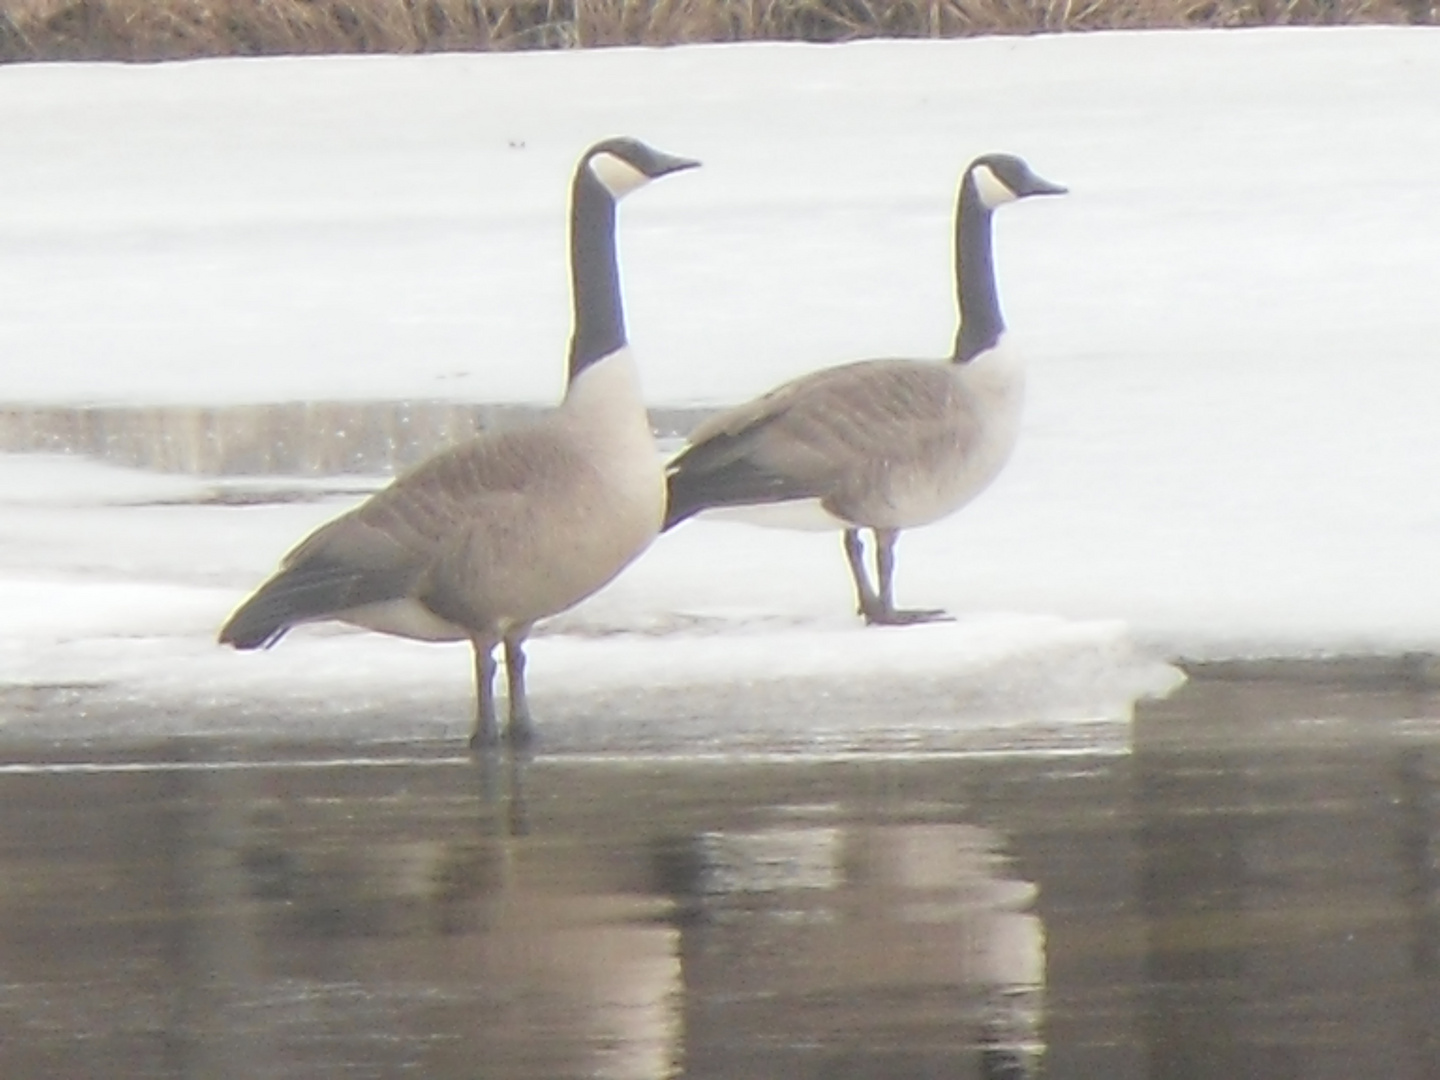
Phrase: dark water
(1253, 892)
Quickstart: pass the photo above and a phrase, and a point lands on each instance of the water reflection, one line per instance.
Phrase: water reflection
(520, 951)
(550, 922)
(1257, 897)
(1290, 888)
(892, 947)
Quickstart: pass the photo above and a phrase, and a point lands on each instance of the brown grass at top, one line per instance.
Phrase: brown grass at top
(175, 29)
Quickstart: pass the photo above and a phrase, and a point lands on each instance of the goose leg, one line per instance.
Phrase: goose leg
(486, 731)
(888, 614)
(520, 732)
(867, 602)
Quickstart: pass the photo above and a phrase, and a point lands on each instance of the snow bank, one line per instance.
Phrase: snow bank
(1229, 450)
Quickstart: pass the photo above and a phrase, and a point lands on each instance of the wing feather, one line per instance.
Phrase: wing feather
(819, 436)
(384, 548)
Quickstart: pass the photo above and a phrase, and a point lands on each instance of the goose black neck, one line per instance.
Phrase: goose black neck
(594, 275)
(981, 323)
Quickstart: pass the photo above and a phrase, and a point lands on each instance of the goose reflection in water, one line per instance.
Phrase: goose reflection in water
(762, 949)
(892, 944)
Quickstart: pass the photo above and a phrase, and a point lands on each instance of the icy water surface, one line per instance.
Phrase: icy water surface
(1253, 892)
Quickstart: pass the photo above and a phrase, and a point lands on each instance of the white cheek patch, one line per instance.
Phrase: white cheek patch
(619, 177)
(992, 190)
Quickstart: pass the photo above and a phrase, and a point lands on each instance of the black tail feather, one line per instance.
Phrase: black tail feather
(678, 507)
(738, 483)
(301, 594)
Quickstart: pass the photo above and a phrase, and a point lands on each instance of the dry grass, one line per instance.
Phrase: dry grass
(173, 29)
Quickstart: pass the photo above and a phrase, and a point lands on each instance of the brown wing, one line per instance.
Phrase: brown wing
(819, 436)
(382, 549)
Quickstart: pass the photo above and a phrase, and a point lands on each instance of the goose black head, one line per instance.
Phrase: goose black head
(1000, 178)
(624, 164)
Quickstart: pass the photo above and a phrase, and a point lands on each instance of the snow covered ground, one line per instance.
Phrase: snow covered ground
(1231, 442)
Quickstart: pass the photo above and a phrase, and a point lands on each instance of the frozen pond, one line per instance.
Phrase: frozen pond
(1253, 891)
(758, 840)
(1230, 321)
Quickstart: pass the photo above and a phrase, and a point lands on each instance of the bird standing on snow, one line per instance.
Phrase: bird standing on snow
(879, 444)
(482, 540)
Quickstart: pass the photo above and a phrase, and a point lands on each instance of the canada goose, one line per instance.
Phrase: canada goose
(482, 540)
(879, 444)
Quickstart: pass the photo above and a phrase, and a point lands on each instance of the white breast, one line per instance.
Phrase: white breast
(604, 408)
(994, 382)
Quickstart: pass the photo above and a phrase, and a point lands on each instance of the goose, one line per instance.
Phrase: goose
(484, 539)
(886, 444)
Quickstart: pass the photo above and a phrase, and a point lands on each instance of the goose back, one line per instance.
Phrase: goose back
(894, 443)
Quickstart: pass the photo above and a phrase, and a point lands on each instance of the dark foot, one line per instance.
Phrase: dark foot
(905, 617)
(485, 736)
(520, 734)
